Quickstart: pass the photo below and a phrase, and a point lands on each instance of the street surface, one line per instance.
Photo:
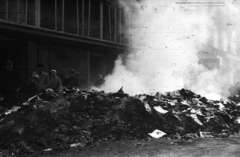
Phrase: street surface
(225, 147)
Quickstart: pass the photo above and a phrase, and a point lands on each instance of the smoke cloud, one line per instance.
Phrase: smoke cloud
(166, 41)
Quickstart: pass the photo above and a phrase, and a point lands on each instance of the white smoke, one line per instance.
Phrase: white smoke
(166, 41)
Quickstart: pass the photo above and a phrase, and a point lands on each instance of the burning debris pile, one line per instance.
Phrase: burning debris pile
(81, 118)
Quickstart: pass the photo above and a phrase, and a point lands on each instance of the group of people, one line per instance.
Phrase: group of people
(40, 81)
(10, 83)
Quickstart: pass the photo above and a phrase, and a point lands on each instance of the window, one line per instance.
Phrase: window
(225, 41)
(203, 35)
(215, 38)
(233, 43)
(201, 2)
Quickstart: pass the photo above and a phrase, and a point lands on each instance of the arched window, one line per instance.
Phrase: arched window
(203, 35)
(233, 42)
(215, 38)
(225, 41)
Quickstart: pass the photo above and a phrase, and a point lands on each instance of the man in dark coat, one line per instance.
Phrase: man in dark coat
(43, 78)
(33, 86)
(70, 80)
(10, 82)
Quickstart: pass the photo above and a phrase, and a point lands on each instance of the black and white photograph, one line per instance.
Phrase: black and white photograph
(119, 78)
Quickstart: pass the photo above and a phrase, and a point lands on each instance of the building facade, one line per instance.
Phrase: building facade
(86, 35)
(220, 44)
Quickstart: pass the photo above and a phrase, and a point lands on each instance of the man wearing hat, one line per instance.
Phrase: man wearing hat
(43, 78)
(33, 86)
(10, 83)
(71, 80)
(55, 81)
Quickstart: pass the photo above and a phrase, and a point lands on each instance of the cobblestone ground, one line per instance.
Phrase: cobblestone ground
(225, 147)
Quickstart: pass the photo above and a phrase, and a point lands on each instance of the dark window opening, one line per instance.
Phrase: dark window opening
(48, 14)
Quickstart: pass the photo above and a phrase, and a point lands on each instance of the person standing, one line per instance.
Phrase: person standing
(10, 83)
(100, 81)
(71, 80)
(43, 78)
(82, 81)
(55, 81)
(33, 86)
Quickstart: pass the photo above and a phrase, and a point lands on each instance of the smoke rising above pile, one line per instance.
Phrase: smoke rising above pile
(166, 41)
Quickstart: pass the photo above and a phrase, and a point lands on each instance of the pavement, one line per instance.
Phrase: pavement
(222, 147)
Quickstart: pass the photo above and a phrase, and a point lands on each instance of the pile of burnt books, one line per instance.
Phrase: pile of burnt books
(80, 118)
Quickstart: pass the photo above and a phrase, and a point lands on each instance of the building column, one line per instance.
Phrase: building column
(88, 68)
(37, 13)
(101, 20)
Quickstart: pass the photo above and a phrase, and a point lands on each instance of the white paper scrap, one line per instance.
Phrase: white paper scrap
(195, 118)
(147, 107)
(160, 109)
(237, 121)
(157, 133)
(192, 111)
(185, 103)
(48, 149)
(221, 106)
